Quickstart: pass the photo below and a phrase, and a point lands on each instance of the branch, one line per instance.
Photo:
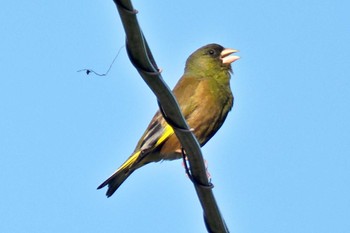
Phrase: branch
(141, 57)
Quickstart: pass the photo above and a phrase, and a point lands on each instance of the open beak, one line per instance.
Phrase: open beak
(226, 58)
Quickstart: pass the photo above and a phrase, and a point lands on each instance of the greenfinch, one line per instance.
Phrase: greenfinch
(205, 98)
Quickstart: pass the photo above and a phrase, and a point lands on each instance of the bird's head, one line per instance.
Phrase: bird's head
(211, 59)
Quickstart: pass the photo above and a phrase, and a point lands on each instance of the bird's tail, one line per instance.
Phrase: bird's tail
(123, 172)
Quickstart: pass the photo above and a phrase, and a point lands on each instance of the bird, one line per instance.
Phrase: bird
(205, 98)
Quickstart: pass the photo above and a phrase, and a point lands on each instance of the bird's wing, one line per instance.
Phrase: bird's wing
(158, 131)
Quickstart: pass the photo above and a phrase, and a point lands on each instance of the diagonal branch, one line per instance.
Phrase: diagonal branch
(141, 57)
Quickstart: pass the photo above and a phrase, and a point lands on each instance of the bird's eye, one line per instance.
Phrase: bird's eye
(211, 52)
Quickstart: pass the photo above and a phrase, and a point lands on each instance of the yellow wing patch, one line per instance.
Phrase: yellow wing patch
(168, 131)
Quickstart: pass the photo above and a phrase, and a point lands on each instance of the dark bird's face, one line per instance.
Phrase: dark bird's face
(211, 58)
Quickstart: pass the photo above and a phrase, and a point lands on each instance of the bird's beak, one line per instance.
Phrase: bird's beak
(226, 58)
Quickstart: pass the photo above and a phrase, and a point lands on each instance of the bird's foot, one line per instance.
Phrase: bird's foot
(206, 168)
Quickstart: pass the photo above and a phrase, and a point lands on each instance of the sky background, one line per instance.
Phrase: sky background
(280, 163)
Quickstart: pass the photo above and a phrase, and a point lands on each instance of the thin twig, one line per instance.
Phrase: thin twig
(88, 71)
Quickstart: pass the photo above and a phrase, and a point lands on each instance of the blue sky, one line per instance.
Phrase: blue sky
(279, 164)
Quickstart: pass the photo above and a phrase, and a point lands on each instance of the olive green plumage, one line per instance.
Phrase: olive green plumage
(205, 98)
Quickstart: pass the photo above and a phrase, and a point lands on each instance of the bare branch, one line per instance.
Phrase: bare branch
(141, 57)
